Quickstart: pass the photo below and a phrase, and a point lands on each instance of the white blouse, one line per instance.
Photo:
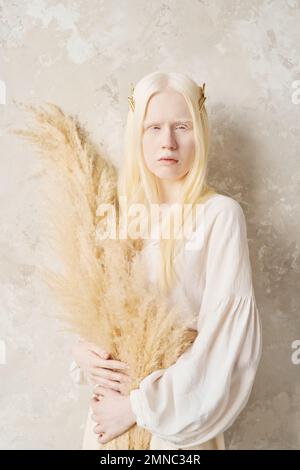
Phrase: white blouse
(203, 392)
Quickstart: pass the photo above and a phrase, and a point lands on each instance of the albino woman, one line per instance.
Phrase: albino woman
(190, 404)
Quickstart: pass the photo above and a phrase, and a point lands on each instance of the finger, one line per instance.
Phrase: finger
(99, 389)
(112, 364)
(98, 429)
(108, 374)
(103, 438)
(109, 384)
(95, 380)
(99, 395)
(99, 351)
(97, 360)
(100, 392)
(96, 418)
(94, 402)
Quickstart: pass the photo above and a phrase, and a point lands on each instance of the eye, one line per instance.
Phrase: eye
(181, 126)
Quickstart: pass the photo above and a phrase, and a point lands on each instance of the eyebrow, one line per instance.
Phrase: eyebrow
(179, 121)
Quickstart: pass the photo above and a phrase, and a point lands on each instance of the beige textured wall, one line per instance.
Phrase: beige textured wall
(82, 55)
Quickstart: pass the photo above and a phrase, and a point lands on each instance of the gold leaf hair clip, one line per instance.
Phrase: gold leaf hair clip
(201, 99)
(202, 96)
(131, 98)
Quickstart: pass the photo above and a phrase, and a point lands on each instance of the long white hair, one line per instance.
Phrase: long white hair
(137, 184)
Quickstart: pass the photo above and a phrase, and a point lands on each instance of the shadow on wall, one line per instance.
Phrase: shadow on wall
(237, 168)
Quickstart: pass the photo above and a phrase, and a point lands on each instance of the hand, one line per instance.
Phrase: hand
(112, 412)
(98, 367)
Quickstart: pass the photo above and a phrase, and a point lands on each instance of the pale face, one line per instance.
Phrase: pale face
(168, 132)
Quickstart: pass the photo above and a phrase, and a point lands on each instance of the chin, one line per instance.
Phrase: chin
(168, 175)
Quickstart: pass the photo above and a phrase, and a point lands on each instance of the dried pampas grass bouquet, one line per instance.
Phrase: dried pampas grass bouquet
(102, 289)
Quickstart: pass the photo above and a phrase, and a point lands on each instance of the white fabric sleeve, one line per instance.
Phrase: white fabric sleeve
(76, 373)
(202, 394)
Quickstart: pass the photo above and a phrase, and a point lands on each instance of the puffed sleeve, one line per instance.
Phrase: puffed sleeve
(204, 391)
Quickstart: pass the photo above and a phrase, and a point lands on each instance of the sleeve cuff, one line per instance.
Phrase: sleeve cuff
(76, 373)
(137, 408)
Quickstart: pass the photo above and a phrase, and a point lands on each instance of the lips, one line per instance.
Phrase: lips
(166, 159)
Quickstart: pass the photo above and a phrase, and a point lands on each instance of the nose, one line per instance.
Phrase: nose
(168, 139)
